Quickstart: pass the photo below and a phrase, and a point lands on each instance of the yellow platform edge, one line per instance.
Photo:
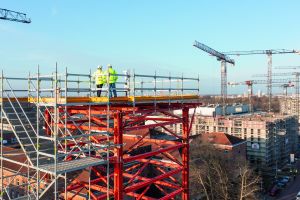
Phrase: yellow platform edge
(114, 99)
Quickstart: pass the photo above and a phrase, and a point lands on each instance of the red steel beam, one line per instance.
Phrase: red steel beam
(154, 141)
(118, 151)
(164, 171)
(159, 163)
(140, 139)
(174, 121)
(161, 189)
(153, 153)
(118, 159)
(97, 188)
(152, 180)
(172, 194)
(79, 184)
(185, 153)
(143, 193)
(137, 173)
(171, 132)
(192, 120)
(159, 182)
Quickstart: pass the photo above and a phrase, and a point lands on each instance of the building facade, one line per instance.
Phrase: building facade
(288, 105)
(270, 138)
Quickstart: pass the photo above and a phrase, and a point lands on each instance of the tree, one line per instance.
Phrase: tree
(248, 182)
(213, 176)
(259, 103)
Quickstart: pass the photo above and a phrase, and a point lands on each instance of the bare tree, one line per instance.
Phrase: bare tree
(248, 182)
(213, 176)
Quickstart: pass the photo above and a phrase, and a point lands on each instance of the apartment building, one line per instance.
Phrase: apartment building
(270, 138)
(288, 105)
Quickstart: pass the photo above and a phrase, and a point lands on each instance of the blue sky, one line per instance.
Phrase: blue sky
(149, 36)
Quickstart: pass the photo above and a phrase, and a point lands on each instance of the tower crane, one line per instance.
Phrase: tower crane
(224, 59)
(250, 84)
(269, 54)
(14, 16)
(297, 87)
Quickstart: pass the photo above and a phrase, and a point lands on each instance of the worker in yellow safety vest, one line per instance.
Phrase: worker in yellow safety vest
(100, 79)
(112, 79)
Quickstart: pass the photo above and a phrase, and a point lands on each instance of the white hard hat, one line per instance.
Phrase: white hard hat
(99, 67)
(109, 65)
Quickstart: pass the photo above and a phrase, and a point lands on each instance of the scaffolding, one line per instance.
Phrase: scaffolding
(72, 144)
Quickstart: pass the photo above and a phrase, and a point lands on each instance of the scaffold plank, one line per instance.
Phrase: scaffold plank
(73, 165)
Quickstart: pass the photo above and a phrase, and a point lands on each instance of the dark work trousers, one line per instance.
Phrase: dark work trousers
(112, 90)
(99, 86)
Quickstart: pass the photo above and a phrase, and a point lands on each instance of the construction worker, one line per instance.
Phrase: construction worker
(100, 79)
(112, 79)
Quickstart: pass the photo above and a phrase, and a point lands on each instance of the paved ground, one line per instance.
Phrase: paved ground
(290, 192)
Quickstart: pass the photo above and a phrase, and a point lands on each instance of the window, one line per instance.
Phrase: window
(214, 129)
(237, 123)
(258, 131)
(237, 130)
(251, 130)
(245, 130)
(220, 123)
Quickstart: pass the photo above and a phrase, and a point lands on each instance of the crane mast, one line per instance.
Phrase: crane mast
(224, 59)
(10, 15)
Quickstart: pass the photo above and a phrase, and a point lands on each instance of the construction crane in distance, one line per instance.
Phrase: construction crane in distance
(269, 53)
(297, 87)
(287, 67)
(224, 59)
(14, 16)
(250, 84)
